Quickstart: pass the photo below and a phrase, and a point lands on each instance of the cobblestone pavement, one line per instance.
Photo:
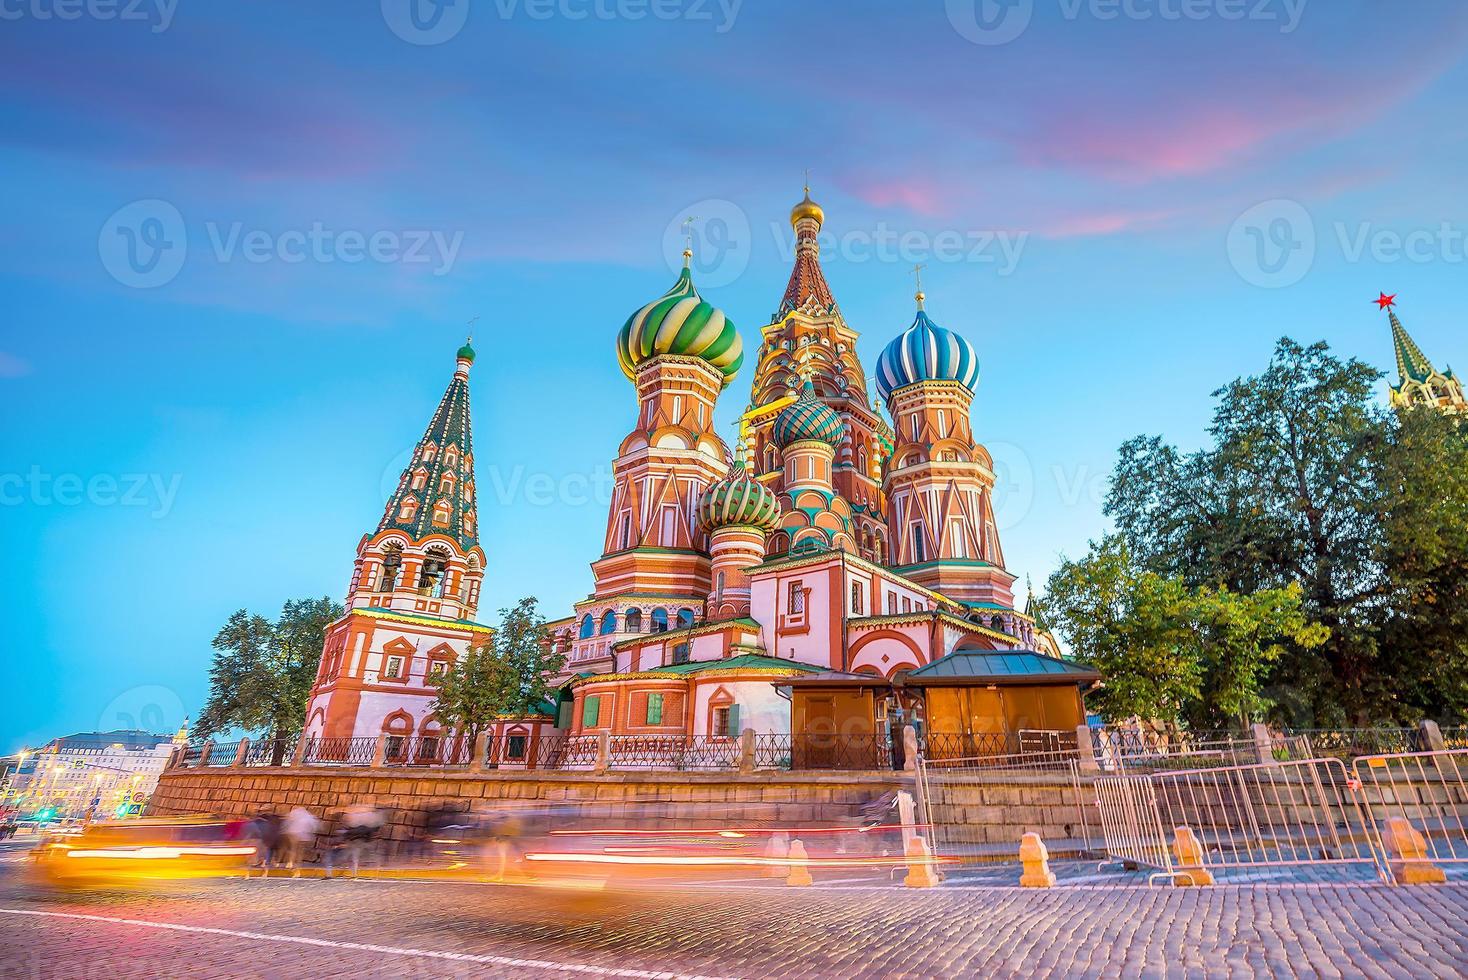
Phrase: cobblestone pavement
(751, 928)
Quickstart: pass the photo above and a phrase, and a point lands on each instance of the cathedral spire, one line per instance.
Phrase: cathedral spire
(807, 281)
(1418, 382)
(436, 492)
(1411, 362)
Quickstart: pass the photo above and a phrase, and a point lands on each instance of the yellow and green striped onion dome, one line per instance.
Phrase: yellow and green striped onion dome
(926, 352)
(680, 322)
(738, 501)
(808, 418)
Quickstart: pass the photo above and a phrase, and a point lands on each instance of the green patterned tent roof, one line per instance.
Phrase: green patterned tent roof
(441, 495)
(680, 322)
(807, 418)
(1412, 364)
(738, 500)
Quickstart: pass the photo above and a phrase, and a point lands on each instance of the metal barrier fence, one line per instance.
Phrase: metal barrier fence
(958, 798)
(1428, 790)
(1131, 823)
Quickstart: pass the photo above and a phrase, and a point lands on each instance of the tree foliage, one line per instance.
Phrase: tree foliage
(1308, 482)
(504, 675)
(1170, 651)
(263, 670)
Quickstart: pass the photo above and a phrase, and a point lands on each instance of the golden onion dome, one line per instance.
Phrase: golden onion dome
(807, 209)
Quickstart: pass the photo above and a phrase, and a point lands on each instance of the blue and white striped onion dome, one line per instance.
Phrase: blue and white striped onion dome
(738, 501)
(926, 352)
(680, 322)
(807, 418)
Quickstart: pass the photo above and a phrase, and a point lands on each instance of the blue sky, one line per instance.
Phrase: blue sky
(239, 245)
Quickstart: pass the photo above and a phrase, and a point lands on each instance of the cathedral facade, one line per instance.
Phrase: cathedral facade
(828, 541)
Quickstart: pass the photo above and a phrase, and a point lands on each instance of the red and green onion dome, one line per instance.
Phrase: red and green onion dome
(808, 418)
(680, 322)
(926, 352)
(738, 501)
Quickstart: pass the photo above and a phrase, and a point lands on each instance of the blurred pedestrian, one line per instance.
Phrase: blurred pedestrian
(359, 827)
(298, 831)
(264, 830)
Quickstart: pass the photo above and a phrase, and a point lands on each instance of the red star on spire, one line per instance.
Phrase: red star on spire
(1385, 302)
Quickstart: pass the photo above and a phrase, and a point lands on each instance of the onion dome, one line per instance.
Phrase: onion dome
(738, 500)
(680, 322)
(807, 418)
(807, 209)
(926, 352)
(466, 353)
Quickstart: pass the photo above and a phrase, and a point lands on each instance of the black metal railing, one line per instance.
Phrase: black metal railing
(271, 752)
(222, 754)
(843, 752)
(339, 751)
(427, 751)
(672, 752)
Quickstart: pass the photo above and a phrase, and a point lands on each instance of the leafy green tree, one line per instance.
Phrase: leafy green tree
(1242, 636)
(1424, 622)
(1133, 626)
(262, 672)
(507, 674)
(1288, 492)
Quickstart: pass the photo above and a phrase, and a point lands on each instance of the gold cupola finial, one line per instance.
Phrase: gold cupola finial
(807, 208)
(917, 272)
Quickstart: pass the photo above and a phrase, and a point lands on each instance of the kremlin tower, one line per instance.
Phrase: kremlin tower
(1418, 382)
(414, 590)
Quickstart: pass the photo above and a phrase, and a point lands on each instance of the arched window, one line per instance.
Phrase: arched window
(446, 485)
(660, 620)
(634, 620)
(608, 622)
(420, 477)
(588, 626)
(392, 561)
(441, 512)
(996, 623)
(435, 571)
(408, 509)
(685, 618)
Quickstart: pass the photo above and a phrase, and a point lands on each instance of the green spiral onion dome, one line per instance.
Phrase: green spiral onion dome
(808, 418)
(680, 322)
(738, 500)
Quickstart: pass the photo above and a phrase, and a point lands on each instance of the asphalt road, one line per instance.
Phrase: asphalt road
(744, 928)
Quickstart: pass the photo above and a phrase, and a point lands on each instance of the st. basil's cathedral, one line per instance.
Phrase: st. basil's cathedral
(828, 568)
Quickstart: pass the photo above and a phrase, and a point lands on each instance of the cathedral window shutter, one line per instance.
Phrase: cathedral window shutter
(590, 711)
(733, 720)
(654, 709)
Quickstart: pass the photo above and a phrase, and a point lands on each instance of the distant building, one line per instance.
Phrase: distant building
(91, 774)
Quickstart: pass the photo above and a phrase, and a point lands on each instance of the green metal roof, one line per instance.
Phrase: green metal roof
(753, 660)
(983, 664)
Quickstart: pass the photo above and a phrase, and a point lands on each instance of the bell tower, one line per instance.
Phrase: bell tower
(414, 590)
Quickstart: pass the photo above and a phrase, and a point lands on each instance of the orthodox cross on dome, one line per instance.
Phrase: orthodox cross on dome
(917, 272)
(688, 238)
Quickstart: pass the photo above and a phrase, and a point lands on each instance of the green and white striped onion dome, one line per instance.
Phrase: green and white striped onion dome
(807, 418)
(738, 500)
(680, 322)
